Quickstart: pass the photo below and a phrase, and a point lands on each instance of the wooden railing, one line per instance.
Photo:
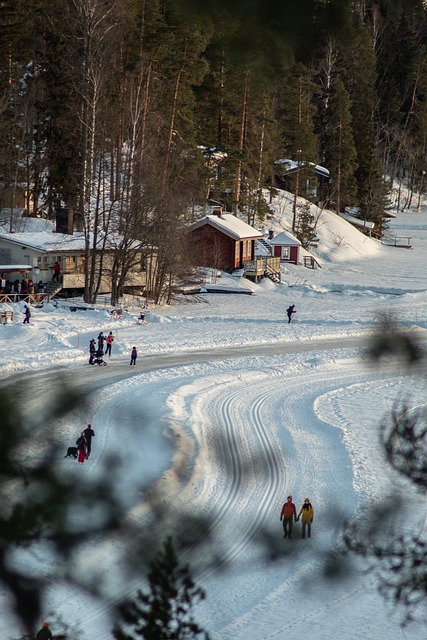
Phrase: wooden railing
(32, 298)
(310, 262)
(261, 266)
(396, 241)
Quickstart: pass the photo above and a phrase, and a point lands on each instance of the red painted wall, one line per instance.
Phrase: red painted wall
(293, 253)
(211, 248)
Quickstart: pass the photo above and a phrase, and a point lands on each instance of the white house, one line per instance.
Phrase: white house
(37, 247)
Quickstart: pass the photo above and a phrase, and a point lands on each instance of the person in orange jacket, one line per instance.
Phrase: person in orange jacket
(44, 633)
(307, 513)
(289, 516)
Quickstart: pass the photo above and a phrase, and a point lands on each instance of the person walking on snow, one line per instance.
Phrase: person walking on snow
(101, 340)
(307, 514)
(92, 350)
(81, 446)
(88, 433)
(289, 516)
(109, 341)
(290, 311)
(44, 633)
(133, 356)
(27, 313)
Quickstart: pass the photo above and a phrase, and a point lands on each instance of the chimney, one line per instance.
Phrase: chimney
(217, 211)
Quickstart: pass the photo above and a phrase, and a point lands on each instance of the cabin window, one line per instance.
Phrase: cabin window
(237, 250)
(43, 262)
(248, 245)
(70, 263)
(285, 253)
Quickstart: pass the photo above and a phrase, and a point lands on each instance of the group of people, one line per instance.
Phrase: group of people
(107, 340)
(22, 287)
(84, 443)
(98, 350)
(288, 516)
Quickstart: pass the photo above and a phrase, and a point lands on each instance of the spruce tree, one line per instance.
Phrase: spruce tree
(359, 76)
(164, 612)
(306, 226)
(339, 150)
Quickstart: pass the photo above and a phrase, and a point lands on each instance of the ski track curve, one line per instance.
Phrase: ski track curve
(252, 472)
(236, 466)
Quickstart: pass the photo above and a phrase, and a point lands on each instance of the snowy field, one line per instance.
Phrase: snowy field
(297, 413)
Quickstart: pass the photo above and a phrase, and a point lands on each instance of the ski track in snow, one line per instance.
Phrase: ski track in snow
(239, 460)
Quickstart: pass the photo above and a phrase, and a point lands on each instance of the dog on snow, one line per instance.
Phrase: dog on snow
(72, 452)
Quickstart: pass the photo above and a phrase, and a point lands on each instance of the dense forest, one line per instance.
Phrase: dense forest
(130, 114)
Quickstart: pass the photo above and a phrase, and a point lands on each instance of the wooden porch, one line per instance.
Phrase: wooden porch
(262, 267)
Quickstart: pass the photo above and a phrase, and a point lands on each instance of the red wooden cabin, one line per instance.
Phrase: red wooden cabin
(223, 241)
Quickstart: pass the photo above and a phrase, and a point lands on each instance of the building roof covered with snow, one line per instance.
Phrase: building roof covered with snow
(289, 166)
(228, 224)
(284, 238)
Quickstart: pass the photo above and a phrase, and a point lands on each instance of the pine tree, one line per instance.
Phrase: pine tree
(339, 149)
(359, 77)
(296, 115)
(165, 611)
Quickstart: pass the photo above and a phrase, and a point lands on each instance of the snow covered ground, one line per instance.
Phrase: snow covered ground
(296, 414)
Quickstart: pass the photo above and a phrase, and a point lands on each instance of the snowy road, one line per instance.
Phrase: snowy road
(89, 379)
(249, 425)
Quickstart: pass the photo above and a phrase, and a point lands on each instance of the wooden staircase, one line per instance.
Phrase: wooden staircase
(272, 275)
(266, 244)
(52, 288)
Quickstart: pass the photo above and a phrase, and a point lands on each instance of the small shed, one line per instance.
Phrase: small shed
(223, 241)
(286, 247)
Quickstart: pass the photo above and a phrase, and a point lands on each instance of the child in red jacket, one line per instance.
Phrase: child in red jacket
(133, 356)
